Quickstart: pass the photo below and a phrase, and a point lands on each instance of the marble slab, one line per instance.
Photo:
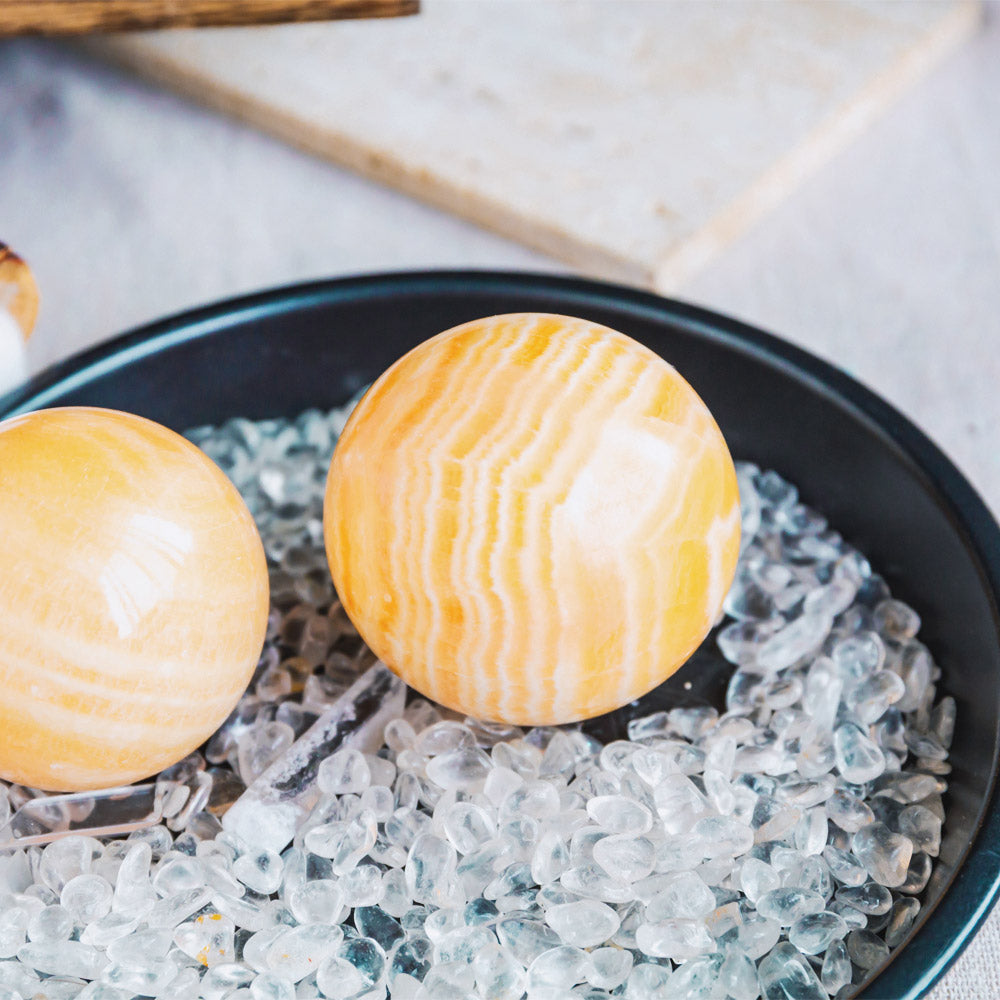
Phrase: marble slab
(632, 140)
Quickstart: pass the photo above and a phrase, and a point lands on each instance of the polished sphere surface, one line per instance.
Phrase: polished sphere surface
(133, 598)
(532, 518)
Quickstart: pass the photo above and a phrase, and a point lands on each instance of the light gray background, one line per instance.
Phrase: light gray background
(131, 203)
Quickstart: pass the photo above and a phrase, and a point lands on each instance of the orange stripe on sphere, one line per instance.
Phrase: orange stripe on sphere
(532, 518)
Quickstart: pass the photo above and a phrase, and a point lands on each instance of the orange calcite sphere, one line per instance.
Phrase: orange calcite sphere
(532, 519)
(133, 598)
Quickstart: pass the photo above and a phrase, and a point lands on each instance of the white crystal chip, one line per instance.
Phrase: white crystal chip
(583, 924)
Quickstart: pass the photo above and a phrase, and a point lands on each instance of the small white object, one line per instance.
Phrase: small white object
(13, 360)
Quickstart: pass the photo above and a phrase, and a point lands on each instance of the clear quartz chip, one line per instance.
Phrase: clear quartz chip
(678, 939)
(559, 968)
(609, 967)
(836, 969)
(859, 760)
(866, 949)
(798, 639)
(885, 854)
(904, 913)
(584, 924)
(787, 905)
(106, 813)
(870, 898)
(785, 972)
(65, 958)
(813, 933)
(848, 811)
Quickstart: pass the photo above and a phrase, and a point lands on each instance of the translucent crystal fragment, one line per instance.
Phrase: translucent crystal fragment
(758, 878)
(272, 808)
(51, 923)
(583, 924)
(526, 938)
(550, 858)
(344, 772)
(904, 913)
(65, 859)
(411, 958)
(866, 949)
(804, 635)
(618, 814)
(678, 939)
(444, 737)
(134, 895)
(318, 901)
(723, 836)
(784, 972)
(896, 620)
(430, 869)
(942, 721)
(260, 870)
(738, 976)
(885, 854)
(259, 746)
(873, 696)
(787, 905)
(208, 939)
(87, 897)
(271, 986)
(63, 958)
(870, 898)
(836, 970)
(105, 813)
(848, 811)
(647, 981)
(257, 945)
(301, 950)
(908, 788)
(344, 843)
(609, 967)
(813, 933)
(845, 867)
(593, 882)
(356, 967)
(858, 759)
(559, 968)
(466, 769)
(923, 829)
(174, 908)
(624, 857)
(684, 894)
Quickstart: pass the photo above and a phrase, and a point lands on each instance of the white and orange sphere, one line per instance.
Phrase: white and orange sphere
(532, 519)
(133, 598)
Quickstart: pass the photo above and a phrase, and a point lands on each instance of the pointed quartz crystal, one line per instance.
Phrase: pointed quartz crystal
(270, 811)
(104, 813)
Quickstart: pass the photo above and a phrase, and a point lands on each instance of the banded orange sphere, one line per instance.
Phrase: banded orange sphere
(532, 519)
(133, 598)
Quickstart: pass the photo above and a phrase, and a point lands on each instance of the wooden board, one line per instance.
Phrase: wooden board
(630, 139)
(72, 17)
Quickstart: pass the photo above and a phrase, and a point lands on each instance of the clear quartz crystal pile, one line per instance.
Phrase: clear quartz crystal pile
(775, 850)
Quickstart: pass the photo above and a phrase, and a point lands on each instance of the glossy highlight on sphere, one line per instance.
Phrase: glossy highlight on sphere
(133, 598)
(532, 518)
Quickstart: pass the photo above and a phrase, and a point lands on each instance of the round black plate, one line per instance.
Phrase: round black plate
(881, 482)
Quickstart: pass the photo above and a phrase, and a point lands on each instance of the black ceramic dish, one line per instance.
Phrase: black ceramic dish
(882, 483)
